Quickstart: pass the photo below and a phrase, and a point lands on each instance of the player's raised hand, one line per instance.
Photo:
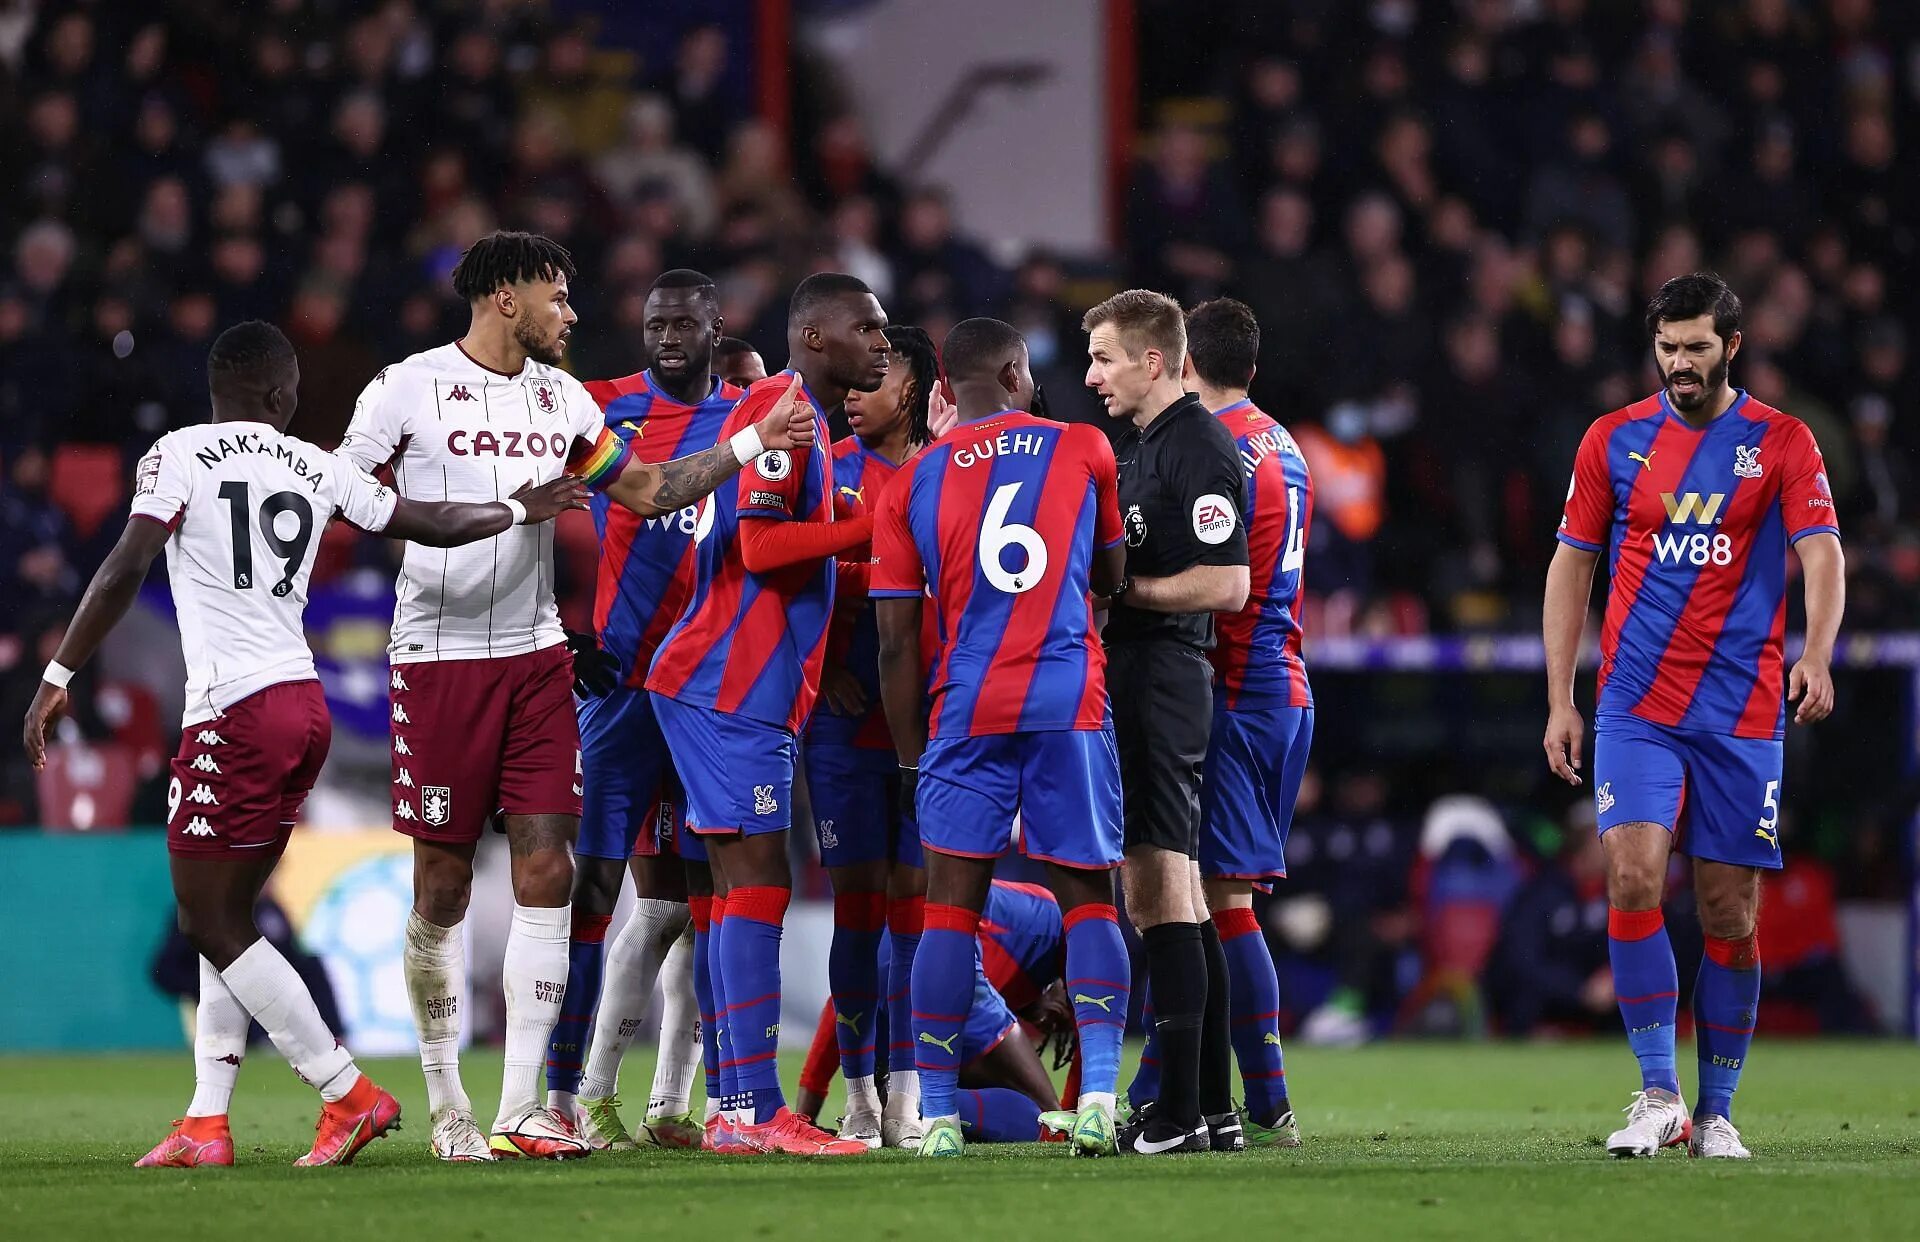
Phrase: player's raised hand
(942, 414)
(842, 691)
(550, 500)
(1565, 733)
(789, 424)
(1810, 684)
(49, 704)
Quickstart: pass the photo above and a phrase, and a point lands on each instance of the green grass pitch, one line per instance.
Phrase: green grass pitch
(1426, 1140)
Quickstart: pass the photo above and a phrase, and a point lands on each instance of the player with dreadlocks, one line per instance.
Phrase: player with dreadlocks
(870, 850)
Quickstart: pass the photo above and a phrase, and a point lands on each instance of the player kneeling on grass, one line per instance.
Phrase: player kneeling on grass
(239, 507)
(1005, 526)
(1697, 491)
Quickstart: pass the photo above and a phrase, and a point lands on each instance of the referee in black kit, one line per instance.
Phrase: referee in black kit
(1181, 498)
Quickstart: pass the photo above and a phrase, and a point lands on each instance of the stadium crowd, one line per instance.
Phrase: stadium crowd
(1446, 216)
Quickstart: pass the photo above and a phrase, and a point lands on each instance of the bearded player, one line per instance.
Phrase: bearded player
(672, 408)
(1695, 494)
(482, 715)
(239, 506)
(735, 681)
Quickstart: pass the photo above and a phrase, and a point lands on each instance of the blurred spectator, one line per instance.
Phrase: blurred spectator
(1184, 220)
(1550, 970)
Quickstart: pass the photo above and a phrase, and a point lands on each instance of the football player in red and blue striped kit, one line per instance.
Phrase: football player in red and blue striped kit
(1006, 524)
(1695, 495)
(736, 679)
(1262, 707)
(852, 775)
(672, 408)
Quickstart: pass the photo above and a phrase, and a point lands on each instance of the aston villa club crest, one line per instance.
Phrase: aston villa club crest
(436, 804)
(543, 393)
(1746, 461)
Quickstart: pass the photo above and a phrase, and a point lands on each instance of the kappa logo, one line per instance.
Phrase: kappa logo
(404, 810)
(763, 800)
(774, 464)
(400, 746)
(205, 763)
(436, 804)
(544, 395)
(398, 682)
(203, 796)
(1746, 461)
(404, 779)
(1214, 518)
(829, 838)
(460, 393)
(198, 827)
(400, 714)
(207, 737)
(1603, 798)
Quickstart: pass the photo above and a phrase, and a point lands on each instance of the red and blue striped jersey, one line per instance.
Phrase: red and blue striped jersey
(752, 644)
(860, 477)
(646, 564)
(1022, 941)
(1696, 522)
(998, 521)
(1256, 654)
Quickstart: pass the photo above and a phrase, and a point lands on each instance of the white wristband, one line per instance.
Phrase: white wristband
(57, 674)
(518, 510)
(746, 445)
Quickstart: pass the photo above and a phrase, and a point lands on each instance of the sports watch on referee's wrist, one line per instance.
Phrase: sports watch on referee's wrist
(1120, 592)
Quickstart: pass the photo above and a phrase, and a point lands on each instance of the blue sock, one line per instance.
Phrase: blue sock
(998, 1115)
(1646, 983)
(717, 976)
(1145, 1086)
(1724, 1000)
(853, 976)
(701, 909)
(906, 919)
(750, 963)
(1099, 983)
(943, 971)
(1253, 990)
(586, 962)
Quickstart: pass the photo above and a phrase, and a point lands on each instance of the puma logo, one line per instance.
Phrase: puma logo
(945, 1045)
(1646, 461)
(850, 1020)
(1270, 1038)
(1105, 1002)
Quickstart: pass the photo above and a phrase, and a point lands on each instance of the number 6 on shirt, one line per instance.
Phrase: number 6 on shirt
(997, 534)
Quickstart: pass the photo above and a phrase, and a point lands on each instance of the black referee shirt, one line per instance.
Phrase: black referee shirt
(1182, 494)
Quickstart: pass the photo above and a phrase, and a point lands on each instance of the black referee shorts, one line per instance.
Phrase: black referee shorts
(1162, 695)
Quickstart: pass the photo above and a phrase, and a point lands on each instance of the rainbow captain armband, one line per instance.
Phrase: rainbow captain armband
(602, 464)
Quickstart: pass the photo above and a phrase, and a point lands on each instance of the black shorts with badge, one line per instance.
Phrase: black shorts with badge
(1162, 696)
(1182, 492)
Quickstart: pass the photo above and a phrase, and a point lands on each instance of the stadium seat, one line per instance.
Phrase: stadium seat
(89, 484)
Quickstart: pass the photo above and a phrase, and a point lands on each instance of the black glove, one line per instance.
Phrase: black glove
(595, 673)
(909, 789)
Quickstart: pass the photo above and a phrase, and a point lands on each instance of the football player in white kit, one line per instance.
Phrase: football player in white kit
(239, 507)
(482, 708)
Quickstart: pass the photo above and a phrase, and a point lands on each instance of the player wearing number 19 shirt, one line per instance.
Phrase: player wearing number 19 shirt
(239, 506)
(1262, 707)
(1695, 494)
(1003, 527)
(482, 713)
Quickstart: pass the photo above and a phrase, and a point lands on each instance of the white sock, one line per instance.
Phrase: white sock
(436, 967)
(680, 1049)
(863, 1095)
(535, 978)
(1099, 1097)
(903, 1094)
(627, 988)
(219, 1043)
(273, 993)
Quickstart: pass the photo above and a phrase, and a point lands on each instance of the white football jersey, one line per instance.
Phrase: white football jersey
(247, 506)
(454, 430)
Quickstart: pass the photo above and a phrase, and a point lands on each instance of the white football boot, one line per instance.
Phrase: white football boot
(1716, 1139)
(457, 1138)
(1654, 1120)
